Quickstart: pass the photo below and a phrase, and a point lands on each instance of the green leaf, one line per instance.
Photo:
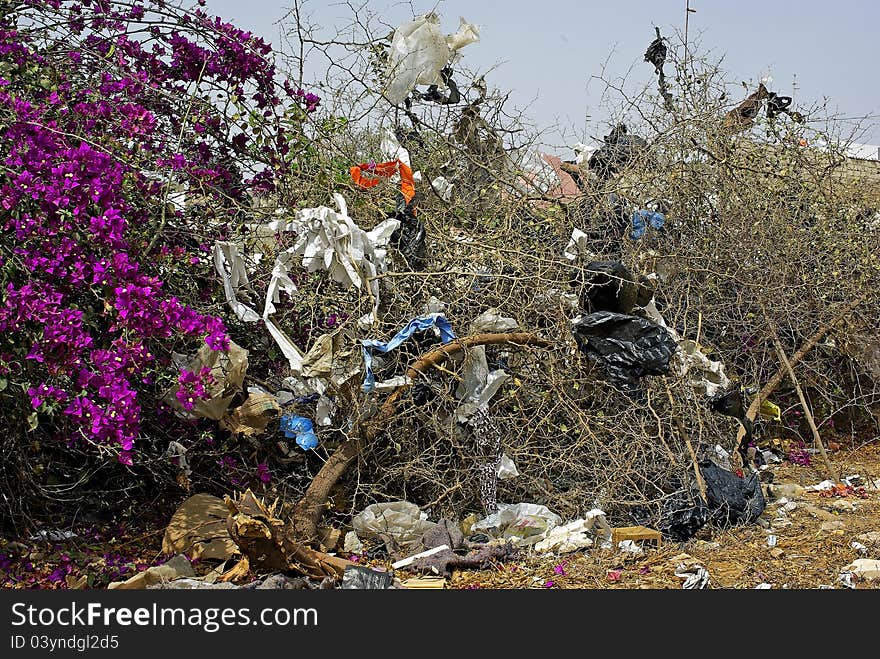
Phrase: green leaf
(32, 422)
(3, 383)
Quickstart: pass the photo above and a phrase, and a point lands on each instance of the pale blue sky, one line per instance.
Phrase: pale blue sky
(547, 51)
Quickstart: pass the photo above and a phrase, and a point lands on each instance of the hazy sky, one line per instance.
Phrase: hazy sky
(546, 51)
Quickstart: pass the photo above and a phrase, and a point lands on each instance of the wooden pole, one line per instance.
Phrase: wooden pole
(832, 472)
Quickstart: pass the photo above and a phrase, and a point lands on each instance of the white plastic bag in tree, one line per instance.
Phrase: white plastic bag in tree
(419, 50)
(506, 468)
(468, 33)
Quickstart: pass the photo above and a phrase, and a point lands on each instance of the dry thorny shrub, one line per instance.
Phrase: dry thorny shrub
(758, 226)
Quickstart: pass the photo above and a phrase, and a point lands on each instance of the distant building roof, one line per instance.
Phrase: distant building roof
(863, 151)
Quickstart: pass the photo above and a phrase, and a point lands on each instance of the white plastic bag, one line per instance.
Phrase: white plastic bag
(402, 520)
(419, 50)
(523, 523)
(567, 538)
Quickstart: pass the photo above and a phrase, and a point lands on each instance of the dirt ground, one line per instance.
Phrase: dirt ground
(814, 536)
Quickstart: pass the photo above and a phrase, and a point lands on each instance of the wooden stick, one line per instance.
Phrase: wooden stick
(768, 389)
(687, 440)
(831, 470)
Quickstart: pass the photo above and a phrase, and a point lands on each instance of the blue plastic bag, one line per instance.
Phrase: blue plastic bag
(300, 428)
(641, 219)
(419, 324)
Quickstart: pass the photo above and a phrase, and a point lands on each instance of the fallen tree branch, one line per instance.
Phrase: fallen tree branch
(268, 544)
(308, 510)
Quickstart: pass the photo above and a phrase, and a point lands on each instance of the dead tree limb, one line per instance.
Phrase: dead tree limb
(308, 510)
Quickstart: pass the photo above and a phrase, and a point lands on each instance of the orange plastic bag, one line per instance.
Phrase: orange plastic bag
(367, 176)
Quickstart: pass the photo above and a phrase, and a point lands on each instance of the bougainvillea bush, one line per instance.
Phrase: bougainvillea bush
(131, 135)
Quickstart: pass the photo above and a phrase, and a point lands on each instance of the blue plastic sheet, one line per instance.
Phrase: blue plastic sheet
(300, 428)
(642, 218)
(419, 324)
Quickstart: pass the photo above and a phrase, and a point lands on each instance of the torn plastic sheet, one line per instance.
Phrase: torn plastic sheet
(538, 173)
(478, 384)
(368, 175)
(392, 149)
(443, 187)
(415, 325)
(433, 305)
(402, 520)
(419, 51)
(583, 151)
(231, 268)
(522, 523)
(332, 241)
(491, 321)
(704, 375)
(177, 451)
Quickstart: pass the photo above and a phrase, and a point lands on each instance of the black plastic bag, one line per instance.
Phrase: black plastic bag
(409, 237)
(683, 515)
(731, 403)
(627, 347)
(777, 105)
(433, 94)
(732, 500)
(610, 286)
(656, 53)
(619, 149)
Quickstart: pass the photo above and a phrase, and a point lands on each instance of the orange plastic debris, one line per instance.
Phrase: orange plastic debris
(367, 175)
